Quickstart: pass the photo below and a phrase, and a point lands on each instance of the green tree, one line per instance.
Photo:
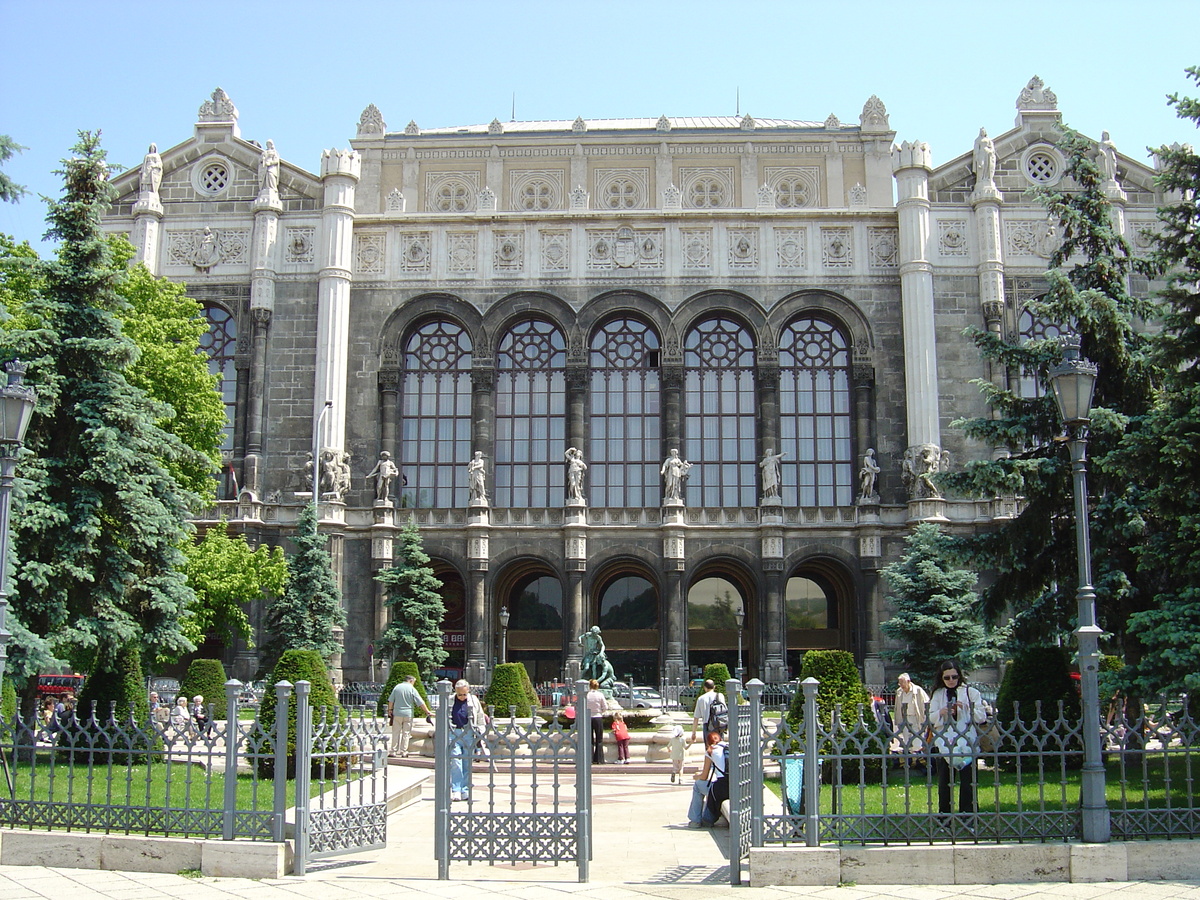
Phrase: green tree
(226, 576)
(1033, 556)
(399, 671)
(413, 594)
(100, 519)
(206, 678)
(511, 688)
(1162, 451)
(10, 191)
(304, 616)
(935, 608)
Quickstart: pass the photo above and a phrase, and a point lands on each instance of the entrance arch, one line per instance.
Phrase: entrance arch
(533, 595)
(818, 605)
(627, 611)
(714, 597)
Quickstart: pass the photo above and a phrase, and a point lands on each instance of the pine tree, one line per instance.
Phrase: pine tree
(935, 608)
(1162, 451)
(1033, 556)
(100, 518)
(415, 631)
(311, 606)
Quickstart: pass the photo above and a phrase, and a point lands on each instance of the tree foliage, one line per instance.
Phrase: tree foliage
(511, 689)
(1162, 451)
(10, 191)
(226, 576)
(413, 594)
(206, 678)
(295, 666)
(935, 604)
(1033, 556)
(399, 671)
(100, 517)
(304, 617)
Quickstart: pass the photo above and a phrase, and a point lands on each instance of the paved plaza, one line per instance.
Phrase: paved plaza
(642, 849)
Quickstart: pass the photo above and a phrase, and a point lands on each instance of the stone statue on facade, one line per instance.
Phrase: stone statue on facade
(384, 473)
(595, 662)
(985, 161)
(208, 251)
(308, 471)
(268, 175)
(575, 469)
(674, 472)
(770, 466)
(919, 466)
(151, 174)
(867, 476)
(477, 478)
(1108, 158)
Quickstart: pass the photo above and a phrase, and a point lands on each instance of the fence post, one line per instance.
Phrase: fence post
(733, 756)
(283, 691)
(441, 780)
(755, 688)
(583, 779)
(812, 762)
(303, 773)
(232, 739)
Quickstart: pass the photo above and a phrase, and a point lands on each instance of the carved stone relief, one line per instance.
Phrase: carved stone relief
(882, 247)
(625, 248)
(743, 248)
(206, 248)
(837, 248)
(461, 252)
(707, 187)
(795, 187)
(508, 254)
(298, 244)
(415, 251)
(622, 188)
(556, 251)
(697, 248)
(451, 191)
(370, 254)
(952, 237)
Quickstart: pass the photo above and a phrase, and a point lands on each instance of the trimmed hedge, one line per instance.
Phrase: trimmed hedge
(511, 687)
(116, 676)
(207, 678)
(1039, 673)
(840, 688)
(400, 671)
(295, 666)
(719, 673)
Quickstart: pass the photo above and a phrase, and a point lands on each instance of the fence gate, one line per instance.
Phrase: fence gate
(347, 758)
(516, 792)
(745, 778)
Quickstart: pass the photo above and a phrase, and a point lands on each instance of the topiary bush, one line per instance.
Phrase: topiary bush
(1037, 674)
(295, 666)
(719, 673)
(511, 687)
(114, 690)
(841, 688)
(8, 700)
(207, 678)
(400, 671)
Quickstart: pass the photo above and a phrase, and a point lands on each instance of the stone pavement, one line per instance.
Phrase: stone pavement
(642, 848)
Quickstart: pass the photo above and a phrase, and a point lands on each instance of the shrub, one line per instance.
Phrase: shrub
(400, 671)
(207, 678)
(1037, 674)
(511, 687)
(295, 666)
(842, 689)
(719, 673)
(8, 700)
(114, 689)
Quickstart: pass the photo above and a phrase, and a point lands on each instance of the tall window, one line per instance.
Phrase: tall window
(719, 414)
(1032, 327)
(625, 421)
(628, 602)
(531, 416)
(220, 344)
(814, 408)
(435, 416)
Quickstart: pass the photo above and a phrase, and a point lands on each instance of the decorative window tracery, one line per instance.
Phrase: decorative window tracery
(219, 344)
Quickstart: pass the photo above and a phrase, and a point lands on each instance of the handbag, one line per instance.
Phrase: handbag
(956, 747)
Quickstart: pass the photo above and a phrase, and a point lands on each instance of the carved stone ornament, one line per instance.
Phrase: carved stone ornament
(371, 121)
(411, 128)
(579, 126)
(766, 197)
(874, 115)
(219, 109)
(663, 124)
(395, 201)
(858, 195)
(1037, 96)
(495, 127)
(833, 122)
(579, 197)
(747, 123)
(485, 200)
(672, 197)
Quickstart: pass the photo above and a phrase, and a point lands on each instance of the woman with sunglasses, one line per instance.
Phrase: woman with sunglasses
(955, 711)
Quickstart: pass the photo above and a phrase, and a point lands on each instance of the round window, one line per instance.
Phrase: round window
(211, 176)
(1042, 165)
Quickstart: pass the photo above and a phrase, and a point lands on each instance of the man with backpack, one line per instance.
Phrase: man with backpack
(711, 712)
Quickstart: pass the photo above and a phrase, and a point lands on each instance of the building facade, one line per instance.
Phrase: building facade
(642, 374)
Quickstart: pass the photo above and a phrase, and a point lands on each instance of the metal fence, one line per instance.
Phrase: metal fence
(850, 777)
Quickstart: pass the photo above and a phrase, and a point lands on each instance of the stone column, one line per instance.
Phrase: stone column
(986, 201)
(256, 402)
(478, 632)
(339, 172)
(577, 393)
(577, 615)
(864, 410)
(767, 383)
(147, 230)
(389, 400)
(672, 409)
(771, 620)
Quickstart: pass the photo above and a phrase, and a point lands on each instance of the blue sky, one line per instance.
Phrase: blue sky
(301, 72)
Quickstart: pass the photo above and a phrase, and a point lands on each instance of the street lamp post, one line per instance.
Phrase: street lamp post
(1073, 380)
(17, 401)
(740, 615)
(504, 614)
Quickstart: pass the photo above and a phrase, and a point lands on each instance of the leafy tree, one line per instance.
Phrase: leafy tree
(1162, 451)
(101, 518)
(226, 576)
(415, 631)
(206, 678)
(304, 617)
(935, 608)
(1033, 556)
(10, 191)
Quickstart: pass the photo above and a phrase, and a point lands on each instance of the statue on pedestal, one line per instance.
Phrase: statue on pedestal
(151, 174)
(575, 469)
(384, 473)
(985, 161)
(674, 472)
(477, 478)
(770, 473)
(595, 662)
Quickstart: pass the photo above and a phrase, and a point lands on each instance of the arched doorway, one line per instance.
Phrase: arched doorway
(454, 622)
(713, 601)
(627, 613)
(818, 610)
(534, 599)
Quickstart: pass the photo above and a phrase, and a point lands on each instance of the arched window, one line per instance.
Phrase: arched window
(719, 418)
(712, 605)
(813, 599)
(220, 345)
(815, 414)
(435, 416)
(628, 602)
(454, 622)
(530, 416)
(535, 604)
(624, 443)
(1032, 327)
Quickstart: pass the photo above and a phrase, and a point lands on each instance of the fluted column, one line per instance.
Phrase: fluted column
(147, 231)
(986, 201)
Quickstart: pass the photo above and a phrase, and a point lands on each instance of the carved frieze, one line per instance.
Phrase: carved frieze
(952, 237)
(461, 252)
(207, 247)
(837, 248)
(882, 247)
(416, 251)
(743, 248)
(625, 248)
(298, 244)
(370, 253)
(791, 248)
(697, 248)
(508, 253)
(556, 251)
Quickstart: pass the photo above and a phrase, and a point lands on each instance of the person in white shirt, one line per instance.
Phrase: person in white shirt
(911, 703)
(955, 712)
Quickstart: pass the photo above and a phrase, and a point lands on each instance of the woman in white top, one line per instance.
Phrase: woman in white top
(714, 767)
(596, 704)
(955, 711)
(911, 702)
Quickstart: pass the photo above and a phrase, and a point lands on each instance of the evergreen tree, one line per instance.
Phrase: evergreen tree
(100, 516)
(415, 630)
(935, 608)
(1033, 556)
(10, 191)
(311, 606)
(227, 576)
(1163, 450)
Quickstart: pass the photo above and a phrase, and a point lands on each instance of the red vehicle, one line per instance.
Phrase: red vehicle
(57, 685)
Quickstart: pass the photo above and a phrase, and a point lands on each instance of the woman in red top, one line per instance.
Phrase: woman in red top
(621, 734)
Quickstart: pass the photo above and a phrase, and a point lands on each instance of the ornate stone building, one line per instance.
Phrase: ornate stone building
(782, 302)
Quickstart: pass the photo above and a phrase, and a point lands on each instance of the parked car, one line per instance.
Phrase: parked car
(166, 688)
(640, 697)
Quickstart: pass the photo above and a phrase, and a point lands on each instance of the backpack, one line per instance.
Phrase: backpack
(718, 715)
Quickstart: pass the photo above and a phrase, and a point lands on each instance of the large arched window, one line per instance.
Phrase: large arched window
(1032, 327)
(719, 418)
(814, 414)
(814, 600)
(435, 415)
(625, 420)
(713, 602)
(628, 617)
(219, 343)
(531, 416)
(535, 606)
